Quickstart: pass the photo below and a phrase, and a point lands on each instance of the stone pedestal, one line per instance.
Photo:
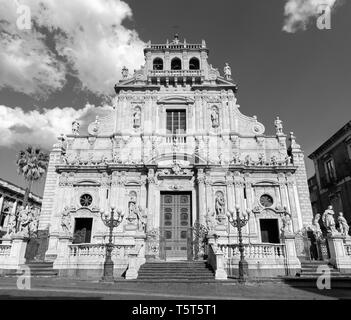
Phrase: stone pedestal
(220, 274)
(18, 250)
(132, 272)
(338, 256)
(293, 264)
(51, 253)
(62, 251)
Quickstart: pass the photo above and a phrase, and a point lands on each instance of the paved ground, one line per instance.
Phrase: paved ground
(43, 288)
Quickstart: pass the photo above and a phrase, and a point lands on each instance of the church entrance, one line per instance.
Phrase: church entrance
(269, 231)
(175, 215)
(82, 230)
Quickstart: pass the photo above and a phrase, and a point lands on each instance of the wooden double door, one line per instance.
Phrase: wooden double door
(175, 223)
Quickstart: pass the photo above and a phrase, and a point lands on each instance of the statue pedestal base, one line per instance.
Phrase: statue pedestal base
(338, 256)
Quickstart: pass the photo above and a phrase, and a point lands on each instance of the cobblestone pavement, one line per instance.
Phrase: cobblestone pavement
(72, 289)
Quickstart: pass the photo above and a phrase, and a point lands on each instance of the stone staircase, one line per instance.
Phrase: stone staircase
(37, 269)
(309, 269)
(176, 271)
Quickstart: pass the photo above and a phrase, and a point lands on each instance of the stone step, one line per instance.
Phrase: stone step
(185, 270)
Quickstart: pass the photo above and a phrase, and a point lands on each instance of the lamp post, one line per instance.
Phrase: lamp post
(238, 222)
(110, 222)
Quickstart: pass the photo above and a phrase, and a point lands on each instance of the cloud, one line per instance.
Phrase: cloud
(299, 12)
(80, 37)
(40, 127)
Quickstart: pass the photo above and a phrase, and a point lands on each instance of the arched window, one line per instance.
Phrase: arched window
(194, 64)
(176, 64)
(158, 64)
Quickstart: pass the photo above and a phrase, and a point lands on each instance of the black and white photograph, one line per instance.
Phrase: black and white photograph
(176, 155)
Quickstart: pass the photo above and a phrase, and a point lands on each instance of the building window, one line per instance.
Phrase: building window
(86, 200)
(158, 64)
(176, 122)
(176, 64)
(330, 170)
(266, 201)
(194, 64)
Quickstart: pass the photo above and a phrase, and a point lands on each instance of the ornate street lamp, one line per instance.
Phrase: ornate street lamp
(111, 222)
(239, 222)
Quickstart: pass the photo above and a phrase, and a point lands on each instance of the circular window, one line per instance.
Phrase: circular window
(86, 200)
(266, 201)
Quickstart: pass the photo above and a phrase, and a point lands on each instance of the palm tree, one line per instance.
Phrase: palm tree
(32, 163)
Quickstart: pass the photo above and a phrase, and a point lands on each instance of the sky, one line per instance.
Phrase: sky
(64, 67)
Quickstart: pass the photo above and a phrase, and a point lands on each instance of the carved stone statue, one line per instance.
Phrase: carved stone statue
(75, 127)
(215, 117)
(66, 221)
(316, 226)
(137, 118)
(227, 71)
(210, 220)
(24, 219)
(287, 223)
(11, 225)
(278, 126)
(236, 158)
(343, 225)
(328, 220)
(219, 204)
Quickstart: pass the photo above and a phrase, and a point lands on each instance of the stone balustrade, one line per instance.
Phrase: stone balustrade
(5, 250)
(89, 251)
(267, 251)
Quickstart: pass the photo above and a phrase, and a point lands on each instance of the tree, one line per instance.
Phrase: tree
(32, 163)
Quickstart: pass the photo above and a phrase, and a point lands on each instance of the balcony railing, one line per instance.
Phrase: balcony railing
(177, 139)
(175, 73)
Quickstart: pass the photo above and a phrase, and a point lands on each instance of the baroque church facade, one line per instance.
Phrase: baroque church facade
(176, 160)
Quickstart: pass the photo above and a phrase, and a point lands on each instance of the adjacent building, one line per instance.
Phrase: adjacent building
(11, 199)
(331, 184)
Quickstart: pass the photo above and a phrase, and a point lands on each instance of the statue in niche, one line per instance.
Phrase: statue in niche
(215, 117)
(66, 221)
(132, 207)
(343, 225)
(137, 117)
(278, 126)
(219, 204)
(328, 220)
(75, 127)
(227, 71)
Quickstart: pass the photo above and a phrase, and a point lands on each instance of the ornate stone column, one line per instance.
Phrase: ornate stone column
(201, 196)
(151, 199)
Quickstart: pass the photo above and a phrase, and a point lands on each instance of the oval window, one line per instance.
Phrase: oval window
(266, 200)
(86, 200)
